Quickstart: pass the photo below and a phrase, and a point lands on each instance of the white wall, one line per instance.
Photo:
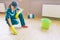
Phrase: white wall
(2, 7)
(51, 10)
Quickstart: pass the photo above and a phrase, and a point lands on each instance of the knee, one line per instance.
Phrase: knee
(20, 15)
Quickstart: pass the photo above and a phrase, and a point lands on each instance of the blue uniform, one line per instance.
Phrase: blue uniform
(11, 15)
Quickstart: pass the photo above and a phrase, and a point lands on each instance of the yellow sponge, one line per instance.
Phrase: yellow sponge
(13, 30)
(17, 14)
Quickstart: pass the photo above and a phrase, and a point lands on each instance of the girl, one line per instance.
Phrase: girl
(12, 13)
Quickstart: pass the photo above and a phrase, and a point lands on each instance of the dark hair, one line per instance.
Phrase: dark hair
(13, 4)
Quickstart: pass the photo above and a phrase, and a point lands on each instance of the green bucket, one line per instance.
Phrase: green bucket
(46, 23)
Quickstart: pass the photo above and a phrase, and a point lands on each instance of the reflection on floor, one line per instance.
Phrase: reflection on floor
(32, 33)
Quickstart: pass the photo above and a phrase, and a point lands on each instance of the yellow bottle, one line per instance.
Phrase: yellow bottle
(17, 14)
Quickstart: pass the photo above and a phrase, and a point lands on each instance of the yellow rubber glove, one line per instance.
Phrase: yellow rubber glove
(13, 30)
(17, 14)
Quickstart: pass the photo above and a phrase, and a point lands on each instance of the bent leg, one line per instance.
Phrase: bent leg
(21, 18)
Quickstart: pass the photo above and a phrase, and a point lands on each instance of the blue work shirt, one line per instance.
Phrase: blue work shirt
(11, 15)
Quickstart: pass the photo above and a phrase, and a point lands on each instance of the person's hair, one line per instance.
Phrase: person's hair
(13, 4)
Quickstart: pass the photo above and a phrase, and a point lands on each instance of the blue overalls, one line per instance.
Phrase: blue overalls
(11, 15)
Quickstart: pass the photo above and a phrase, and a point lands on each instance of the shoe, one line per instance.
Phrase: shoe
(25, 26)
(13, 30)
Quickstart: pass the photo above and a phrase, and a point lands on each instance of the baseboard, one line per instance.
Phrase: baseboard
(53, 18)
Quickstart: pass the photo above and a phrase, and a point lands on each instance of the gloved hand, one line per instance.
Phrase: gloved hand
(13, 30)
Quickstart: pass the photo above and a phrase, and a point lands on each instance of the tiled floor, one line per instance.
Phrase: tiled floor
(32, 33)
